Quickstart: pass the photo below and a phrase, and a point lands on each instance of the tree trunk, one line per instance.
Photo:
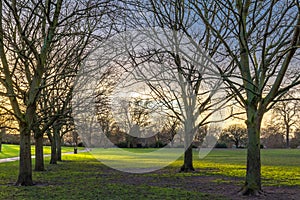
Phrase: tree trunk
(53, 159)
(2, 132)
(188, 160)
(188, 138)
(25, 164)
(39, 153)
(58, 148)
(253, 175)
(288, 137)
(237, 144)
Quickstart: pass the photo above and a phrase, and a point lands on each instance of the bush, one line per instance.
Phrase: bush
(11, 139)
(122, 145)
(80, 144)
(221, 145)
(158, 144)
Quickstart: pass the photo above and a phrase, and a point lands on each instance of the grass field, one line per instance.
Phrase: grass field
(218, 175)
(9, 150)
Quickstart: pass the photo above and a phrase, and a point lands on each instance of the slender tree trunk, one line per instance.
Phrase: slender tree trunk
(2, 132)
(58, 148)
(25, 164)
(39, 153)
(288, 137)
(253, 175)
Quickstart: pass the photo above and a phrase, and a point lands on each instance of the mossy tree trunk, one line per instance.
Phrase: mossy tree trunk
(53, 159)
(25, 164)
(52, 139)
(58, 147)
(252, 184)
(39, 153)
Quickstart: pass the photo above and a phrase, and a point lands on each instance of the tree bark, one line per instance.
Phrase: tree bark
(188, 160)
(2, 132)
(25, 164)
(252, 184)
(53, 159)
(188, 154)
(288, 137)
(58, 147)
(39, 153)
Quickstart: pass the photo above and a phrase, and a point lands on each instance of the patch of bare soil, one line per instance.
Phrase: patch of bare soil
(227, 187)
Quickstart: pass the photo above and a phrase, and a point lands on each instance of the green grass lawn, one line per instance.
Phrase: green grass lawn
(81, 176)
(279, 166)
(9, 150)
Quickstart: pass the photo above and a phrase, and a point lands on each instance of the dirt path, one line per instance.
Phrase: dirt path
(216, 185)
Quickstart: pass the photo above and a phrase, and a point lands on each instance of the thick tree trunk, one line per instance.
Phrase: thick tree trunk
(253, 175)
(25, 164)
(53, 159)
(39, 153)
(55, 145)
(188, 160)
(188, 139)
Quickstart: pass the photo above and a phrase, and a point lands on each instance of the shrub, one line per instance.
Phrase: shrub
(221, 145)
(122, 145)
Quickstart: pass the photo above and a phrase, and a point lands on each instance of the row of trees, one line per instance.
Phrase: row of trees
(198, 57)
(271, 137)
(42, 44)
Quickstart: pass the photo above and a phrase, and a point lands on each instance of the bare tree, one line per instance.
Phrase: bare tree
(180, 74)
(272, 135)
(134, 118)
(103, 105)
(260, 40)
(169, 131)
(235, 133)
(287, 113)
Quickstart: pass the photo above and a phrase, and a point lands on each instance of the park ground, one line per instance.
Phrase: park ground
(218, 176)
